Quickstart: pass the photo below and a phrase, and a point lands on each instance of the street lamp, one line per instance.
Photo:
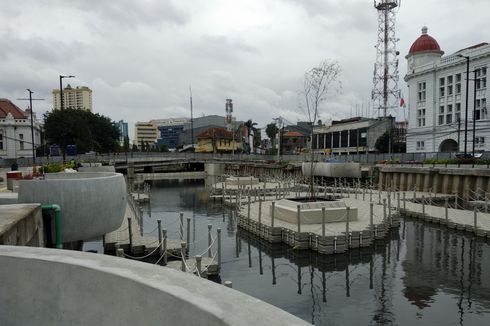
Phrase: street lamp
(466, 107)
(61, 89)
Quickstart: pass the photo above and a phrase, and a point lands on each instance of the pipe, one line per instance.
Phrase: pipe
(57, 222)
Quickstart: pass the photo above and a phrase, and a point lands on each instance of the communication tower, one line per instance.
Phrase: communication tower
(385, 93)
(229, 118)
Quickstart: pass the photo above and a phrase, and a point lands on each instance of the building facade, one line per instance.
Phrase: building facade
(350, 136)
(123, 131)
(169, 131)
(438, 94)
(145, 133)
(74, 98)
(293, 142)
(202, 124)
(15, 131)
(217, 140)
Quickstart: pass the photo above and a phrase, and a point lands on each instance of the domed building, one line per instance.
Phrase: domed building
(437, 97)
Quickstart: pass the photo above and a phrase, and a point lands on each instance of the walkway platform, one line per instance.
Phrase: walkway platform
(209, 266)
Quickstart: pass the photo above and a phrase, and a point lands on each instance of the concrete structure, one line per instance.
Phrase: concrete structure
(332, 170)
(73, 98)
(21, 225)
(350, 136)
(92, 204)
(311, 212)
(58, 287)
(145, 133)
(15, 131)
(437, 97)
(241, 181)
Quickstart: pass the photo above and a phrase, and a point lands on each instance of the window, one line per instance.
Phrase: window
(421, 117)
(479, 141)
(441, 119)
(442, 92)
(458, 84)
(449, 115)
(481, 78)
(441, 115)
(420, 145)
(421, 92)
(457, 115)
(449, 85)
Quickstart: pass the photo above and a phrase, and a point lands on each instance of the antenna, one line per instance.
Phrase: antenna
(386, 93)
(30, 99)
(192, 118)
(229, 117)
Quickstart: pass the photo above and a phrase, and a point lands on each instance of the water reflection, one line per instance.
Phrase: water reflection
(421, 274)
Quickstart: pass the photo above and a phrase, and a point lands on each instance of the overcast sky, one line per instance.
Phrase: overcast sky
(140, 56)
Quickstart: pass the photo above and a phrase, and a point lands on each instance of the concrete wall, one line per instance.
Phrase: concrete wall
(59, 287)
(92, 204)
(21, 225)
(334, 170)
(214, 169)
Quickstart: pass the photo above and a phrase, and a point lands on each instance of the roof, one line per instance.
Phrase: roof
(6, 107)
(425, 44)
(216, 133)
(293, 134)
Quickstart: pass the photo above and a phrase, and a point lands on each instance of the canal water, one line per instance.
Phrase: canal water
(420, 275)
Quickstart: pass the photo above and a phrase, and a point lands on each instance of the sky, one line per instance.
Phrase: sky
(141, 56)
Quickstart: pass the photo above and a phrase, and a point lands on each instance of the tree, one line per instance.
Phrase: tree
(318, 83)
(86, 130)
(271, 130)
(383, 144)
(251, 131)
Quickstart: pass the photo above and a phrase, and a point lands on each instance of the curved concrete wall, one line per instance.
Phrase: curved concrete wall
(58, 287)
(334, 170)
(92, 204)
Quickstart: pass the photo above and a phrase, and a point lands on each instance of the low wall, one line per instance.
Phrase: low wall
(333, 170)
(59, 287)
(92, 204)
(21, 225)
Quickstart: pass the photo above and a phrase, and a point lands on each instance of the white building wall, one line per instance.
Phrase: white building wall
(15, 145)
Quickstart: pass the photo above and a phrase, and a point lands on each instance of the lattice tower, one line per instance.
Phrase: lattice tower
(229, 114)
(385, 93)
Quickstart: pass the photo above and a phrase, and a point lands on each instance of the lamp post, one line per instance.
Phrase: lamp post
(466, 106)
(30, 99)
(61, 89)
(474, 109)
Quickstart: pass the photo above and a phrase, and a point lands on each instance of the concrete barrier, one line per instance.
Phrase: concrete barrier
(334, 170)
(58, 287)
(92, 204)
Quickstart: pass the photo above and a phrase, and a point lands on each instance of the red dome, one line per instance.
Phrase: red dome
(425, 43)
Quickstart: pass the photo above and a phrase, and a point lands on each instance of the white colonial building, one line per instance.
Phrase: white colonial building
(437, 97)
(15, 131)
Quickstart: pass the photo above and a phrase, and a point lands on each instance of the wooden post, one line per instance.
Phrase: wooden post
(198, 259)
(209, 239)
(323, 221)
(475, 219)
(371, 219)
(299, 218)
(182, 248)
(218, 230)
(273, 208)
(188, 232)
(159, 223)
(130, 235)
(181, 226)
(164, 235)
(384, 210)
(446, 210)
(120, 252)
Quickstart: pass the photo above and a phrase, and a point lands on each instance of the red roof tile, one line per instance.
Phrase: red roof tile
(6, 107)
(293, 134)
(217, 133)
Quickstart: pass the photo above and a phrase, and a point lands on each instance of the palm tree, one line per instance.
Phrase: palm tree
(250, 125)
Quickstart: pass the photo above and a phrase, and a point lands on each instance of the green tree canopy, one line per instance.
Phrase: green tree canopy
(271, 130)
(86, 130)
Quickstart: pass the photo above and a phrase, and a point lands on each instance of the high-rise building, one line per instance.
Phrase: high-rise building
(123, 130)
(74, 98)
(169, 131)
(145, 133)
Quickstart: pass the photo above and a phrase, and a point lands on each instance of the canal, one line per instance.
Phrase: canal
(421, 274)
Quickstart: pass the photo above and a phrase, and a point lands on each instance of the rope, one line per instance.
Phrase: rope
(209, 247)
(146, 256)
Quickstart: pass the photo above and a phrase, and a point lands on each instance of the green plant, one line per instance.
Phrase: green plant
(53, 168)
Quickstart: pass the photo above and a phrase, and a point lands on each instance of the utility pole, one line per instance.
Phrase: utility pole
(474, 109)
(192, 119)
(62, 107)
(30, 99)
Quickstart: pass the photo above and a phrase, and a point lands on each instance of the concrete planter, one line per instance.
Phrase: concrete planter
(92, 204)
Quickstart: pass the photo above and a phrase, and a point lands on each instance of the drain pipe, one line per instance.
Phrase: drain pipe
(57, 222)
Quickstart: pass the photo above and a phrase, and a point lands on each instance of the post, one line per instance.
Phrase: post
(248, 207)
(209, 239)
(389, 207)
(219, 246)
(371, 219)
(182, 248)
(475, 219)
(181, 226)
(384, 209)
(188, 231)
(299, 218)
(164, 235)
(120, 252)
(159, 223)
(273, 208)
(323, 221)
(423, 205)
(486, 204)
(347, 218)
(398, 202)
(228, 284)
(404, 201)
(456, 200)
(130, 235)
(198, 264)
(260, 214)
(371, 195)
(363, 194)
(379, 197)
(446, 210)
